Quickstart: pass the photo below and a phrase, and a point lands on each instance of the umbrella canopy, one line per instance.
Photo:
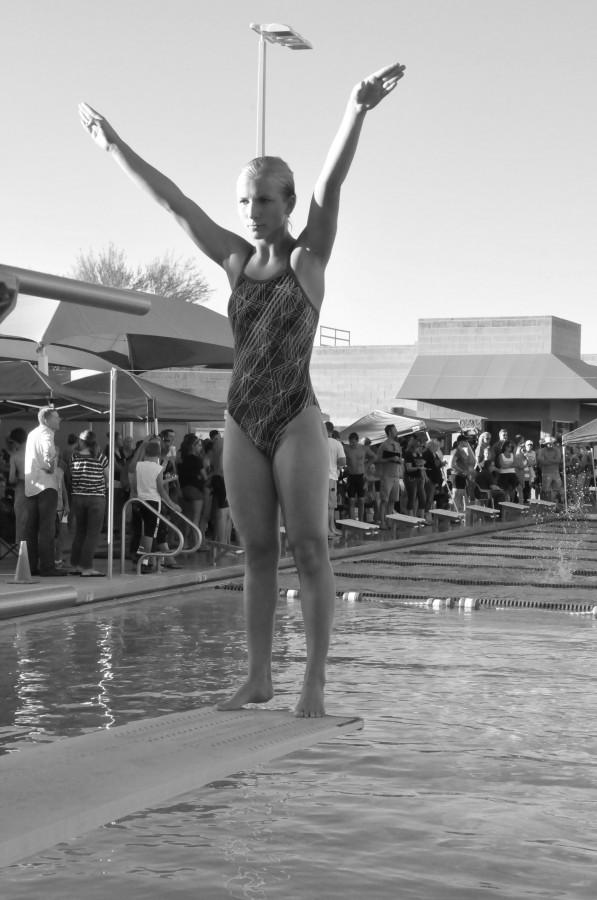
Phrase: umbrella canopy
(172, 333)
(132, 394)
(373, 425)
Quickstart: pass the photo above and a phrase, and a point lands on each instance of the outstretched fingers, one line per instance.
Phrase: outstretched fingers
(96, 126)
(389, 74)
(376, 87)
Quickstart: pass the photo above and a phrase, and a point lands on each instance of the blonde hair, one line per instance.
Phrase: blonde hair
(272, 165)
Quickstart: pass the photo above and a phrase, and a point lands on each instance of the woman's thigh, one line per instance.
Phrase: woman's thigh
(250, 489)
(301, 471)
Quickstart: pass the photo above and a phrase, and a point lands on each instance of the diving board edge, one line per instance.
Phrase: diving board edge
(59, 791)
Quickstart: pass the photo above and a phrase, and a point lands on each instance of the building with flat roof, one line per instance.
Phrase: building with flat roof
(525, 373)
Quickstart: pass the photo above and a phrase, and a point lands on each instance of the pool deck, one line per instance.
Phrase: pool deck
(502, 562)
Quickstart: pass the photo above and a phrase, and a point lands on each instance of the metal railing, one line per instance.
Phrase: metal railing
(333, 337)
(157, 553)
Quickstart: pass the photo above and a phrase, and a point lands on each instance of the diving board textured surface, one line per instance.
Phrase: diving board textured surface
(56, 792)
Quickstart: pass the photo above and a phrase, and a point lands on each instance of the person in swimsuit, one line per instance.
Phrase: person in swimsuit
(277, 283)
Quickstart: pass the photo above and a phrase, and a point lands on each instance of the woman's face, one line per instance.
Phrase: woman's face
(262, 206)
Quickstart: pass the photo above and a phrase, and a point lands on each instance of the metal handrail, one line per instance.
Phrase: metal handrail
(156, 553)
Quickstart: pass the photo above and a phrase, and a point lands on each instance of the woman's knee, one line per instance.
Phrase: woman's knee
(310, 553)
(263, 552)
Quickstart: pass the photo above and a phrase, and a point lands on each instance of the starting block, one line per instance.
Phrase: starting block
(542, 507)
(476, 515)
(444, 519)
(400, 522)
(513, 511)
(353, 526)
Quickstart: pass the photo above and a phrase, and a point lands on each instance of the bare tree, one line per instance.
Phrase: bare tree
(167, 276)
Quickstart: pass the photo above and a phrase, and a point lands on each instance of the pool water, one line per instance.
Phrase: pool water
(475, 776)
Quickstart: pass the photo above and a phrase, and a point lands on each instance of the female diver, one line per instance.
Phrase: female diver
(273, 421)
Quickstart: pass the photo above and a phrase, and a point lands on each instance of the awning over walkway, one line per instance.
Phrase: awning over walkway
(541, 376)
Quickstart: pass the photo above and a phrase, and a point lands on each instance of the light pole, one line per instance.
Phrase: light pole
(272, 34)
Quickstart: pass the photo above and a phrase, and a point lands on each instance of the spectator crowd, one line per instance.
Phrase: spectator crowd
(53, 498)
(412, 474)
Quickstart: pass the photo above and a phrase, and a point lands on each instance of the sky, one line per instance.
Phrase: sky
(474, 187)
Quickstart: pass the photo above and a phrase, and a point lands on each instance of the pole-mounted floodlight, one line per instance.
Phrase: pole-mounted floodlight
(272, 34)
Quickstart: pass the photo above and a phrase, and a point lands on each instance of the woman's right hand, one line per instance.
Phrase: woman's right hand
(99, 128)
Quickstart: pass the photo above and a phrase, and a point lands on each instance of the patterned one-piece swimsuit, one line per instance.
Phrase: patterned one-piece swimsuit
(274, 325)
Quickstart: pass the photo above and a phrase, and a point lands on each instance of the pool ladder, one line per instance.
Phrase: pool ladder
(157, 554)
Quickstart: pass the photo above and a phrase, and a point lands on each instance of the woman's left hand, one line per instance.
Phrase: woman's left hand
(373, 89)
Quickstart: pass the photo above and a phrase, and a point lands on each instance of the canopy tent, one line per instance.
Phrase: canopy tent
(172, 333)
(373, 426)
(133, 392)
(586, 434)
(23, 386)
(441, 426)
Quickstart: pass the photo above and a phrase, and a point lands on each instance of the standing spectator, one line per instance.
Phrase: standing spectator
(62, 509)
(16, 479)
(337, 459)
(415, 477)
(88, 477)
(72, 443)
(220, 507)
(519, 467)
(371, 493)
(486, 482)
(462, 463)
(529, 471)
(389, 460)
(483, 444)
(507, 478)
(372, 482)
(497, 448)
(207, 453)
(549, 459)
(357, 455)
(192, 477)
(150, 488)
(120, 495)
(41, 493)
(434, 468)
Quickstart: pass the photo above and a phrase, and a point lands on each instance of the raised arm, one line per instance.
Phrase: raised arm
(320, 231)
(216, 242)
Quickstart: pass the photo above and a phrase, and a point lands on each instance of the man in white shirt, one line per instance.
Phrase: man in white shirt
(41, 493)
(337, 461)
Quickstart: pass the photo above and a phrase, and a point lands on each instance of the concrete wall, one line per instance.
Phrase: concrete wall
(352, 381)
(348, 381)
(522, 334)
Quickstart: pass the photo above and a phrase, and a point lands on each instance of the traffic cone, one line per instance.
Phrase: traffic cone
(23, 572)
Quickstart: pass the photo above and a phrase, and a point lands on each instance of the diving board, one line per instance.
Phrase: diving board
(59, 791)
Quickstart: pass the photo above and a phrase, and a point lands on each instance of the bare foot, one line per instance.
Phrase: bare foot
(311, 703)
(249, 692)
